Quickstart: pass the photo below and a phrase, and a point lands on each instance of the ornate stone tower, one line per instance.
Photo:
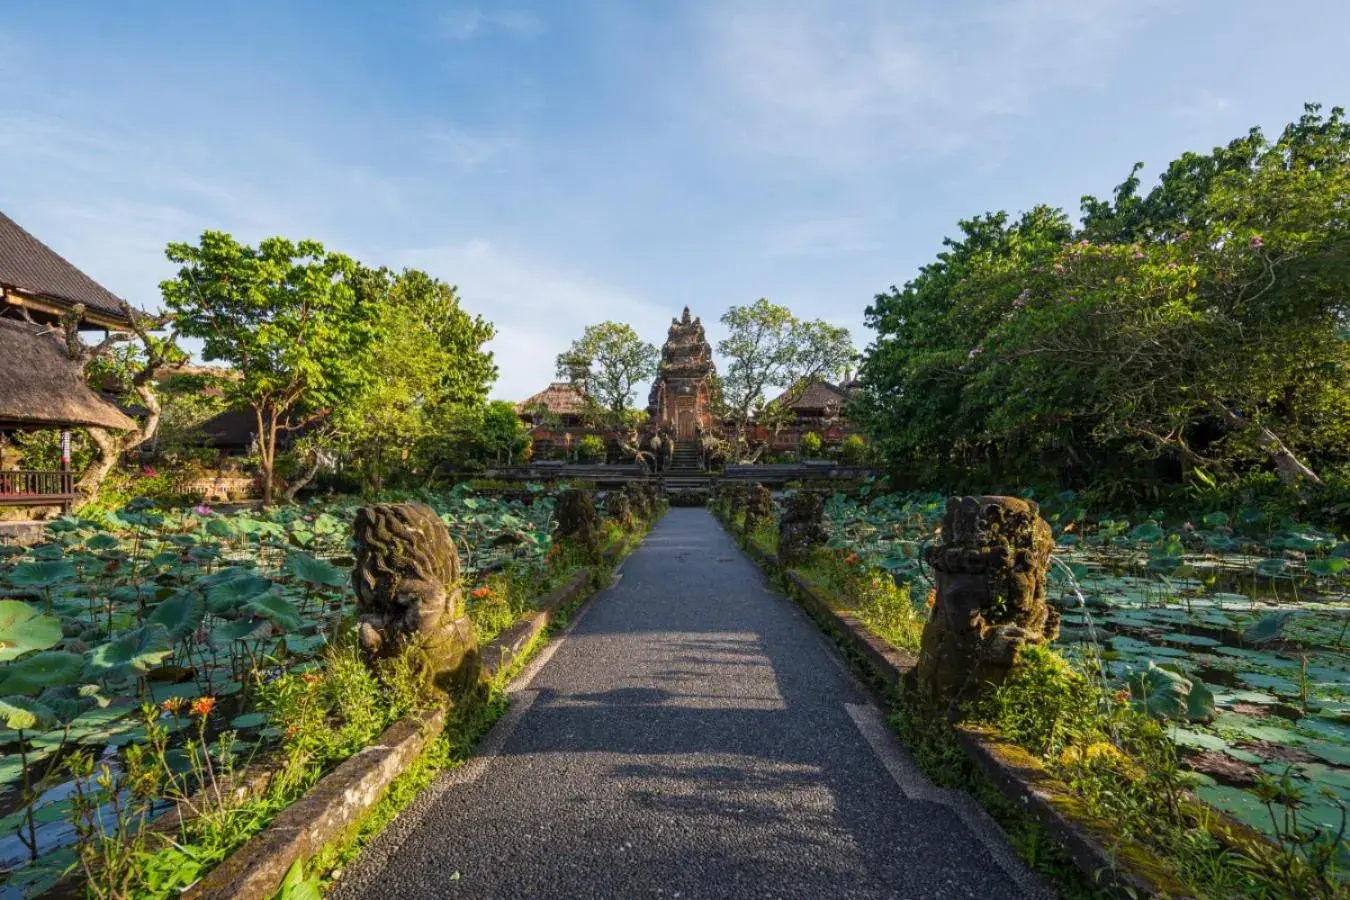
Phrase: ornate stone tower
(681, 396)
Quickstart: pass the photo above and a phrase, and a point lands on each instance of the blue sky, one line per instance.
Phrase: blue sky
(572, 161)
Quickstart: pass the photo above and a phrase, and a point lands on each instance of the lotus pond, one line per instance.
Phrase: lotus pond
(143, 606)
(1230, 628)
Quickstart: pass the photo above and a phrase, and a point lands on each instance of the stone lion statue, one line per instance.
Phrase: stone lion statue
(407, 594)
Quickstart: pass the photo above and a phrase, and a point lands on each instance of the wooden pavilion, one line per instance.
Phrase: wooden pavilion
(40, 387)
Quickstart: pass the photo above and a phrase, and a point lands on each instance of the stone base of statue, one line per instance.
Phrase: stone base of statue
(408, 599)
(579, 523)
(991, 569)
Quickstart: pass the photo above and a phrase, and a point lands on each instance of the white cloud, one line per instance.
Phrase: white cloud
(469, 152)
(828, 236)
(538, 308)
(850, 83)
(467, 23)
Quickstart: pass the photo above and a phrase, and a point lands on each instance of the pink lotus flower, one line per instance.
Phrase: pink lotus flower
(202, 509)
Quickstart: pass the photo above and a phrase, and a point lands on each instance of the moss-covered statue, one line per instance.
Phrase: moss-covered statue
(406, 579)
(579, 524)
(801, 528)
(991, 573)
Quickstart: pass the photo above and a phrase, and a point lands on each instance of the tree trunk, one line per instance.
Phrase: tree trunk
(112, 445)
(267, 452)
(301, 481)
(1288, 466)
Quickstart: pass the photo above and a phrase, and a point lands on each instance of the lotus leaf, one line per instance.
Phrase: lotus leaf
(25, 714)
(1267, 628)
(277, 609)
(315, 571)
(48, 669)
(23, 630)
(180, 614)
(42, 574)
(136, 651)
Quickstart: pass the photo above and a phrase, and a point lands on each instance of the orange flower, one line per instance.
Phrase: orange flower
(851, 559)
(932, 598)
(480, 592)
(172, 705)
(202, 706)
(309, 678)
(1121, 696)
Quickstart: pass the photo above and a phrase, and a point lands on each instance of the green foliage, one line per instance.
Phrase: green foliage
(285, 316)
(607, 362)
(591, 449)
(854, 451)
(768, 346)
(810, 445)
(1122, 352)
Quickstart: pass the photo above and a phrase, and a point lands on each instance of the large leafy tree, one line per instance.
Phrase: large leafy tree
(431, 366)
(767, 346)
(286, 318)
(1202, 322)
(607, 363)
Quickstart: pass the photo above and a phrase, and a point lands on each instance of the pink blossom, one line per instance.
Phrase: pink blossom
(1185, 236)
(1059, 268)
(1138, 254)
(202, 509)
(1256, 242)
(1171, 265)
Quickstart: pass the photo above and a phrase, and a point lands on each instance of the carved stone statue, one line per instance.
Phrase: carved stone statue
(758, 508)
(579, 523)
(619, 508)
(801, 528)
(991, 571)
(407, 593)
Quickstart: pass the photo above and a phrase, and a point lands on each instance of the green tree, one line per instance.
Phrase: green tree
(286, 318)
(767, 346)
(431, 365)
(607, 363)
(1202, 322)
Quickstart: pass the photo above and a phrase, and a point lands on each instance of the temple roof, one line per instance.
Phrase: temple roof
(560, 398)
(816, 396)
(43, 388)
(31, 267)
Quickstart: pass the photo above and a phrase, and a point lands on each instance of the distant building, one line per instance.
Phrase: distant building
(818, 409)
(555, 417)
(681, 395)
(40, 387)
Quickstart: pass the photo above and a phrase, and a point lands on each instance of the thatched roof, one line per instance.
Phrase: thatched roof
(40, 387)
(30, 266)
(815, 397)
(561, 399)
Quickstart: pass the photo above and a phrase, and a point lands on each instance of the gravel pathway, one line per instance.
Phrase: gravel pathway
(692, 736)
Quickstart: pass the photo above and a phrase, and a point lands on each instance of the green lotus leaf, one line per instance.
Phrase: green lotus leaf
(1271, 567)
(1200, 703)
(249, 720)
(23, 630)
(276, 609)
(1162, 693)
(229, 595)
(25, 714)
(1198, 740)
(1149, 531)
(32, 674)
(1267, 628)
(315, 571)
(138, 651)
(42, 574)
(1333, 565)
(180, 614)
(102, 541)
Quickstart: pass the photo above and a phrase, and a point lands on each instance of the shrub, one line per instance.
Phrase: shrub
(810, 445)
(590, 449)
(854, 450)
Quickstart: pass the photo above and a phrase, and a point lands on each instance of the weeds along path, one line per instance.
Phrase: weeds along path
(693, 736)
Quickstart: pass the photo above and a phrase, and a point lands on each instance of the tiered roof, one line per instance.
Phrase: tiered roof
(43, 279)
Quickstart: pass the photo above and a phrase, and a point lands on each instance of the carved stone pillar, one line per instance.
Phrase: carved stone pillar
(991, 571)
(579, 523)
(758, 508)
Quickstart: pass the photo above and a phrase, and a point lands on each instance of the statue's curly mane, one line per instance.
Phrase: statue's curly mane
(397, 543)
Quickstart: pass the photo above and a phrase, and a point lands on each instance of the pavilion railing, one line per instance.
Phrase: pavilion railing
(19, 485)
